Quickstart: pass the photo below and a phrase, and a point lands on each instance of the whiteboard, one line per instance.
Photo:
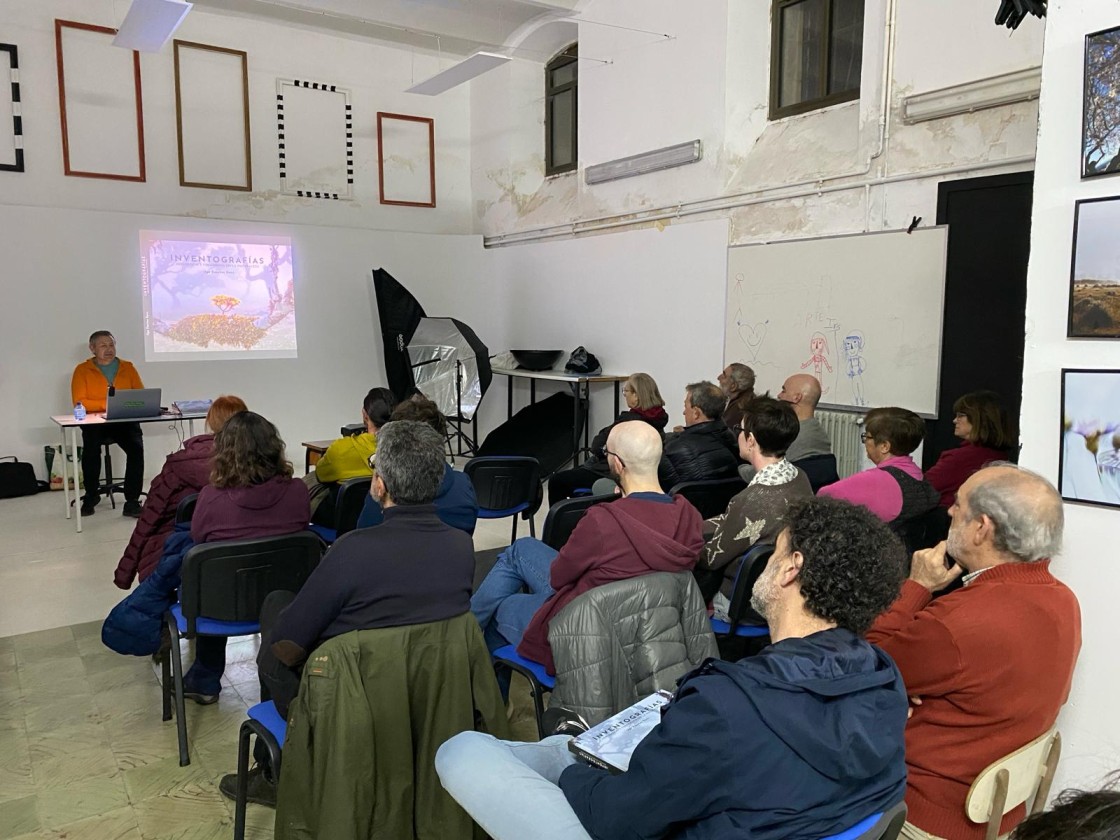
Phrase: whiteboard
(861, 313)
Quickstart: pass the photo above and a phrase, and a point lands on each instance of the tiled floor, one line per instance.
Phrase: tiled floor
(84, 754)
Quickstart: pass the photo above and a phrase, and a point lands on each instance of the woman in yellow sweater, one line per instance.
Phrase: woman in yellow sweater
(348, 457)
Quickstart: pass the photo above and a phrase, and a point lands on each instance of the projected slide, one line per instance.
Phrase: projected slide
(215, 296)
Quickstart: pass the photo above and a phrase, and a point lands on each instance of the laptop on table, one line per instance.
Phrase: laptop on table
(133, 404)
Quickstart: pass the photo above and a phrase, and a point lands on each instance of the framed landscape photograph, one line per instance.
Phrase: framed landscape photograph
(1089, 455)
(1100, 132)
(1094, 289)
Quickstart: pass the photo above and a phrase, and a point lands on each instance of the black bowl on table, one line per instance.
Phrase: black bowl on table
(537, 359)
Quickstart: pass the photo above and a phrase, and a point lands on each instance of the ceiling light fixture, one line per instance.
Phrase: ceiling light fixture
(457, 74)
(149, 24)
(628, 167)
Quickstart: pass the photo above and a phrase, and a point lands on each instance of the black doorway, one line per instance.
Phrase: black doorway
(982, 340)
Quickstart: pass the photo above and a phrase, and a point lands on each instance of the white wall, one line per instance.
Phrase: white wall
(1088, 723)
(377, 76)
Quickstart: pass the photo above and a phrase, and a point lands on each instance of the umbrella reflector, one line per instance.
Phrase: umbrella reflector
(450, 365)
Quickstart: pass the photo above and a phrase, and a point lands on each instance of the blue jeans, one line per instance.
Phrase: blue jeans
(503, 610)
(510, 788)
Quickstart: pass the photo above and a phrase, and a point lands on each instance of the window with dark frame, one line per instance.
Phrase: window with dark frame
(561, 76)
(816, 54)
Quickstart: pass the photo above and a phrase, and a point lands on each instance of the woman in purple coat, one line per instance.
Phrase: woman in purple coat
(184, 472)
(251, 494)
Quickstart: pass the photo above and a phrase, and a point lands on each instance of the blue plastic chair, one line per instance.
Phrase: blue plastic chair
(506, 486)
(223, 586)
(539, 679)
(264, 722)
(349, 499)
(751, 565)
(885, 825)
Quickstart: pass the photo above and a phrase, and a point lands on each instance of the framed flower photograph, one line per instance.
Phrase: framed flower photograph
(1100, 126)
(1089, 455)
(1094, 286)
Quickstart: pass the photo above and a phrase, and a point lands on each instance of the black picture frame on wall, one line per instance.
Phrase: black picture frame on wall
(1094, 281)
(13, 162)
(1089, 437)
(1100, 121)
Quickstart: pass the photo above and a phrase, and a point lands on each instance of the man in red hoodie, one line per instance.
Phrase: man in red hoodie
(645, 531)
(988, 666)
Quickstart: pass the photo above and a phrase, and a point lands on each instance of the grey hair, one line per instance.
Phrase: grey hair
(1025, 509)
(708, 398)
(742, 377)
(410, 461)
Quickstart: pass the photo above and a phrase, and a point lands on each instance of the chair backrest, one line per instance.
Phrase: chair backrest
(349, 502)
(709, 497)
(1012, 780)
(819, 469)
(750, 567)
(563, 517)
(502, 483)
(185, 510)
(229, 580)
(883, 826)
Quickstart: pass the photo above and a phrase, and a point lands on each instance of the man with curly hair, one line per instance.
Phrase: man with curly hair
(803, 740)
(989, 665)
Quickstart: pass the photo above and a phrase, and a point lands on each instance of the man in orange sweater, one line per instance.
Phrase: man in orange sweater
(90, 386)
(988, 666)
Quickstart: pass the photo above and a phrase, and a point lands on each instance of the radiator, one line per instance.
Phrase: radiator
(844, 430)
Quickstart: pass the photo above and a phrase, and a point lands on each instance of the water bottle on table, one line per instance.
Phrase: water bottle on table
(79, 411)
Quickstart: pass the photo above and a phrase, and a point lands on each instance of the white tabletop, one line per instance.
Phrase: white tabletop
(560, 375)
(98, 418)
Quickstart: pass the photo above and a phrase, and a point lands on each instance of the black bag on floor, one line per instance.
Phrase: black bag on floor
(17, 478)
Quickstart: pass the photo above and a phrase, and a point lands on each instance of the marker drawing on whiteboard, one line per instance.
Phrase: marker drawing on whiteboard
(818, 349)
(853, 355)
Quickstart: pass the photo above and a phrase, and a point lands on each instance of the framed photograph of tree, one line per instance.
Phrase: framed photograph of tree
(1100, 132)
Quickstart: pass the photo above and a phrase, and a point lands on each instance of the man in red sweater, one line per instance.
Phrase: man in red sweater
(645, 531)
(988, 666)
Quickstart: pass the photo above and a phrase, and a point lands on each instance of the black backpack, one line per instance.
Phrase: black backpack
(17, 478)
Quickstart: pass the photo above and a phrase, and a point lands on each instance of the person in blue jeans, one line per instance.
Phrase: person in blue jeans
(806, 739)
(645, 531)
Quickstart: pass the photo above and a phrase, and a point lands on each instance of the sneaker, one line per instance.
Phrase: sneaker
(200, 698)
(89, 508)
(132, 509)
(261, 790)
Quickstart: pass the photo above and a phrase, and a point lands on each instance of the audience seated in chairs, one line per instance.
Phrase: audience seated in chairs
(893, 489)
(455, 502)
(643, 402)
(251, 494)
(412, 569)
(737, 384)
(981, 422)
(646, 531)
(184, 472)
(755, 514)
(990, 664)
(348, 457)
(704, 449)
(803, 740)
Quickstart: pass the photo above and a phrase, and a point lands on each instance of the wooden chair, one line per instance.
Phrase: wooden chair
(1011, 781)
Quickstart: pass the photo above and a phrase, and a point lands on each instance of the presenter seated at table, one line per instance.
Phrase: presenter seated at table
(184, 472)
(251, 494)
(90, 386)
(348, 457)
(455, 501)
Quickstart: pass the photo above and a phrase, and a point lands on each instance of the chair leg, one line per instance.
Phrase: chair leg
(513, 538)
(532, 526)
(165, 666)
(180, 700)
(242, 782)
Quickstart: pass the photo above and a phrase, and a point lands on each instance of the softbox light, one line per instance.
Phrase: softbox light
(450, 365)
(399, 313)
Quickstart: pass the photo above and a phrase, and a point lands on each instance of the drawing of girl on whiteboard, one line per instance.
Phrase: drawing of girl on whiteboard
(818, 348)
(853, 355)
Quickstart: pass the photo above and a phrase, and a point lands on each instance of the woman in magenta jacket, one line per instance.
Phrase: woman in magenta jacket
(251, 494)
(981, 421)
(184, 472)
